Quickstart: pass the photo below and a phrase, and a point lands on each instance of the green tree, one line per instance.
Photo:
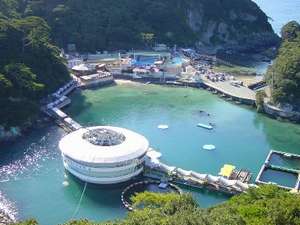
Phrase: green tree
(24, 80)
(266, 205)
(260, 96)
(290, 30)
(30, 68)
(148, 38)
(284, 75)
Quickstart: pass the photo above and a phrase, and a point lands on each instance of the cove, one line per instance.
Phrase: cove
(35, 184)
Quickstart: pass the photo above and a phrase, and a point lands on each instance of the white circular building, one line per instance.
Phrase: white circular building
(104, 154)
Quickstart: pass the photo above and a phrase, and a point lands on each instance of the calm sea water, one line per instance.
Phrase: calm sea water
(32, 178)
(32, 174)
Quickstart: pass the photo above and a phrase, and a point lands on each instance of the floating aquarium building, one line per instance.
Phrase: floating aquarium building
(104, 154)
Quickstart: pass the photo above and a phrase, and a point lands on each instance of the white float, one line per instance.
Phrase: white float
(208, 127)
(163, 126)
(209, 147)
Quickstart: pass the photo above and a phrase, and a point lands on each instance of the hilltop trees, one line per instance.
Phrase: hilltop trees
(284, 75)
(30, 68)
(266, 205)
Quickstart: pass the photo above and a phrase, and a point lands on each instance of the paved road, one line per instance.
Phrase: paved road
(228, 89)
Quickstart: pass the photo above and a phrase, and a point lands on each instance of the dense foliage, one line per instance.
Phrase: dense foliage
(266, 205)
(284, 75)
(259, 100)
(30, 68)
(104, 24)
(122, 24)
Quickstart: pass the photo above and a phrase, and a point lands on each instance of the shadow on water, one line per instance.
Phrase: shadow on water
(79, 105)
(282, 136)
(100, 194)
(110, 195)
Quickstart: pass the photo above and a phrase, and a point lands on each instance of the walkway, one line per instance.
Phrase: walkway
(239, 93)
(158, 170)
(53, 109)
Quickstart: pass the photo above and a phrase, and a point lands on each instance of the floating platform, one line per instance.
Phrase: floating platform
(163, 126)
(154, 169)
(281, 169)
(205, 126)
(209, 147)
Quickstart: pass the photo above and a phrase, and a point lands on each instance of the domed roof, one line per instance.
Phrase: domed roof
(103, 137)
(103, 144)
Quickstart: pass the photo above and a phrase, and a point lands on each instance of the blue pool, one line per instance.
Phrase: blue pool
(141, 61)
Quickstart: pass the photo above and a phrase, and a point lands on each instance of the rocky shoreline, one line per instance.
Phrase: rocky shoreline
(13, 133)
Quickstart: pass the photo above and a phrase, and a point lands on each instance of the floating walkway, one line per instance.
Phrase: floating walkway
(60, 100)
(158, 170)
(278, 171)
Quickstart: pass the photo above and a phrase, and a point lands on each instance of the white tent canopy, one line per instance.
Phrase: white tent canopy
(82, 67)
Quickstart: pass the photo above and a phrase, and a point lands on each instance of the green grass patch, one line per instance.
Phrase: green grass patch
(235, 70)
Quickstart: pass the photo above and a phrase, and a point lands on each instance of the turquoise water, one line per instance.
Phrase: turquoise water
(31, 171)
(280, 11)
(279, 160)
(280, 178)
(177, 60)
(32, 174)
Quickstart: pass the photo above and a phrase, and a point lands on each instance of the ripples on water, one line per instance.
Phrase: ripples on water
(25, 164)
(8, 206)
(31, 159)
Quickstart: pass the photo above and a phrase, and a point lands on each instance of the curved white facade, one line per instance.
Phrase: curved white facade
(111, 155)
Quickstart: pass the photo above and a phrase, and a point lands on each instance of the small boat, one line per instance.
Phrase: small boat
(208, 127)
(209, 147)
(163, 126)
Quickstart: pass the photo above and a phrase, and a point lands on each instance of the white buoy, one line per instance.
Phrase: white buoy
(209, 147)
(163, 126)
(65, 183)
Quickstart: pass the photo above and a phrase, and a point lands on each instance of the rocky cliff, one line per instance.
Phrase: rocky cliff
(238, 24)
(103, 24)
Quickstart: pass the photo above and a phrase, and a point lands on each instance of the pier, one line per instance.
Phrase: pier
(160, 171)
(58, 101)
(238, 93)
(287, 178)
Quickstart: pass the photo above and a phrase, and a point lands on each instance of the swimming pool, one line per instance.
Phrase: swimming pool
(141, 61)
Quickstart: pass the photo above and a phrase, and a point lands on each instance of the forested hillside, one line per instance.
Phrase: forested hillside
(121, 24)
(30, 68)
(266, 205)
(284, 75)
